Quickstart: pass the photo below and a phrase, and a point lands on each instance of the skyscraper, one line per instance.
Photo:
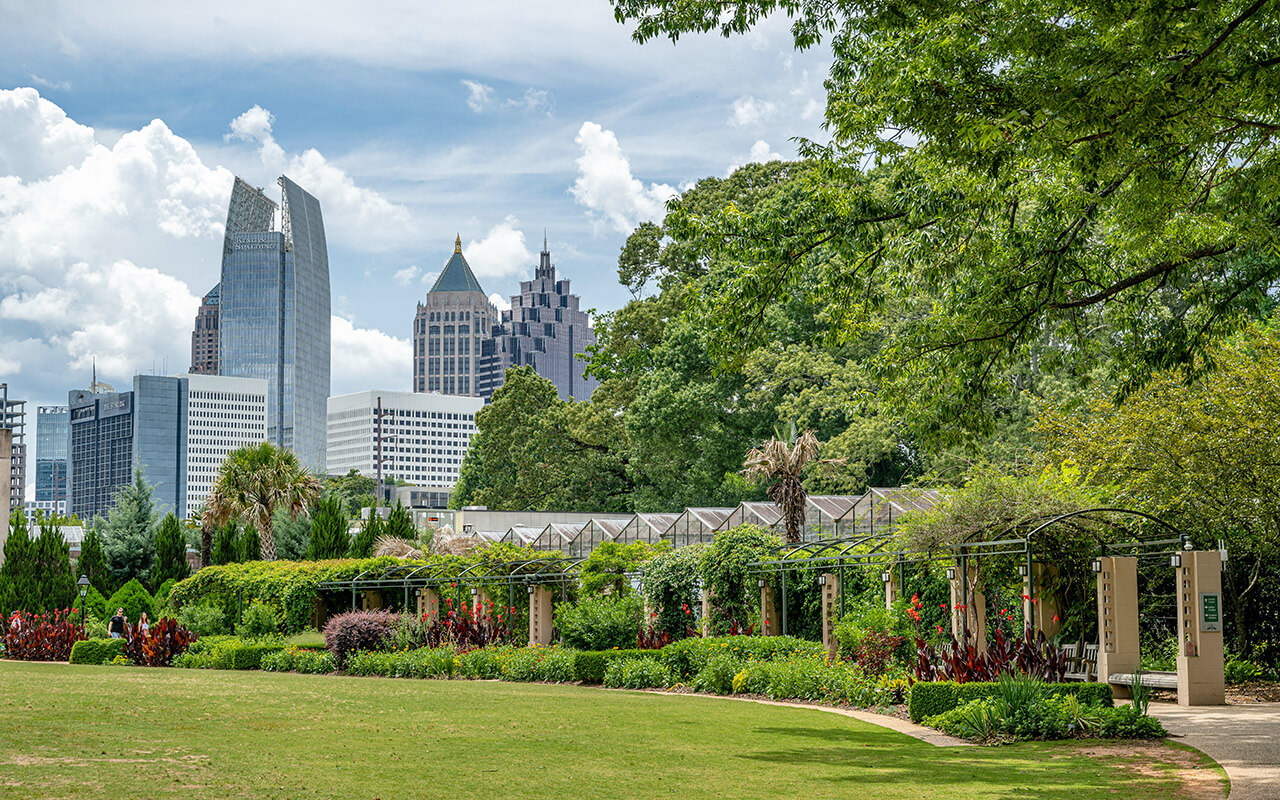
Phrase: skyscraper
(13, 417)
(52, 435)
(204, 338)
(449, 330)
(100, 456)
(274, 312)
(544, 329)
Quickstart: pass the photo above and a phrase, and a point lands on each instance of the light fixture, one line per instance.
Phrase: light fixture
(951, 573)
(1022, 570)
(1097, 565)
(1175, 560)
(83, 583)
(475, 590)
(760, 583)
(822, 580)
(886, 576)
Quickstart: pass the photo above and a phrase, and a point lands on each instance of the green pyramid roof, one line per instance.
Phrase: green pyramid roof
(457, 275)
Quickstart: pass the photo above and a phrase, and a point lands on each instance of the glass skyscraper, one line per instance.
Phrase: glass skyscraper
(53, 434)
(274, 312)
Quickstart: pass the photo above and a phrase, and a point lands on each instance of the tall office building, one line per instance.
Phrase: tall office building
(53, 430)
(100, 455)
(13, 417)
(204, 338)
(422, 438)
(274, 312)
(544, 329)
(449, 330)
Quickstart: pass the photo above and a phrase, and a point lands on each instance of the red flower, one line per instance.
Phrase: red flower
(1055, 617)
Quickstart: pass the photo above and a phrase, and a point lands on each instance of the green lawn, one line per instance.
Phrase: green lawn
(99, 732)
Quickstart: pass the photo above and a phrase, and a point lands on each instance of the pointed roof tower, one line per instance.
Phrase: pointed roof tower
(457, 275)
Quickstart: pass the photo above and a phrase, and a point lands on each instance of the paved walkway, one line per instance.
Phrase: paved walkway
(1244, 739)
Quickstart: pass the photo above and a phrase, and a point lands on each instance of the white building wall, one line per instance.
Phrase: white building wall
(424, 435)
(223, 413)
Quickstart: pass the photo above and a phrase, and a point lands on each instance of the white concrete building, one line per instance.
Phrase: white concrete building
(424, 435)
(223, 413)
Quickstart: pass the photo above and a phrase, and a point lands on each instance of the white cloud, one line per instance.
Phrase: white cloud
(364, 358)
(533, 100)
(61, 86)
(499, 302)
(501, 252)
(606, 186)
(479, 96)
(812, 110)
(749, 112)
(408, 275)
(36, 138)
(350, 212)
(760, 153)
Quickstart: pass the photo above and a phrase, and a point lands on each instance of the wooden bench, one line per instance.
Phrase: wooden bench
(1082, 667)
(1156, 680)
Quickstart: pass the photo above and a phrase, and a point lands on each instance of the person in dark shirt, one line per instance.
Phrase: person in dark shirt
(116, 628)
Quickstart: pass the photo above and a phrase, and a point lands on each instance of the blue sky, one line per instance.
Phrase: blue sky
(121, 125)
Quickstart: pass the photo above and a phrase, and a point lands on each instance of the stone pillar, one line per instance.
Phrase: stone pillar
(1200, 657)
(539, 615)
(830, 609)
(974, 613)
(893, 586)
(1041, 615)
(371, 600)
(1118, 619)
(770, 624)
(706, 612)
(428, 604)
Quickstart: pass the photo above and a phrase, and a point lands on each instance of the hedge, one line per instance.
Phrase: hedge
(250, 656)
(96, 651)
(589, 666)
(934, 698)
(687, 657)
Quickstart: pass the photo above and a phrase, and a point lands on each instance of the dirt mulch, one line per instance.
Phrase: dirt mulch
(1200, 780)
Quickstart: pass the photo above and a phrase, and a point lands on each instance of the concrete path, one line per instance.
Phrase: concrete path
(1244, 739)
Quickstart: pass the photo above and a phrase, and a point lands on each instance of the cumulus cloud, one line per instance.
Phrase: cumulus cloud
(37, 139)
(364, 358)
(479, 95)
(501, 252)
(408, 275)
(748, 112)
(760, 153)
(499, 302)
(533, 100)
(606, 186)
(350, 211)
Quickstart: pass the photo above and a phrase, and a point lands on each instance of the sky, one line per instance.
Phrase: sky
(122, 125)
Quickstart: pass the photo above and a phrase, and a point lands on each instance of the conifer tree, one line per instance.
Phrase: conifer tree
(329, 523)
(14, 572)
(128, 539)
(224, 543)
(53, 585)
(362, 544)
(92, 563)
(248, 545)
(171, 552)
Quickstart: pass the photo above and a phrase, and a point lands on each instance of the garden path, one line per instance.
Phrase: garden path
(1244, 739)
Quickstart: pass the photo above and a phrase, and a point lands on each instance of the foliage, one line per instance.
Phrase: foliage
(687, 658)
(299, 659)
(134, 599)
(726, 573)
(549, 664)
(1027, 710)
(92, 563)
(353, 631)
(872, 634)
(171, 552)
(128, 539)
(95, 604)
(1030, 654)
(96, 651)
(224, 544)
(159, 645)
(781, 461)
(259, 619)
(353, 490)
(256, 480)
(636, 673)
(599, 623)
(205, 619)
(293, 534)
(670, 585)
(399, 524)
(1240, 670)
(469, 626)
(609, 564)
(717, 675)
(929, 699)
(589, 666)
(41, 637)
(329, 522)
(425, 662)
(36, 574)
(247, 545)
(362, 543)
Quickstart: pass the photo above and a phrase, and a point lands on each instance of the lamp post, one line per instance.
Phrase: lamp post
(83, 583)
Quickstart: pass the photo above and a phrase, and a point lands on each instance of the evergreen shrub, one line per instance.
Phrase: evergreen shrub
(599, 623)
(929, 699)
(134, 599)
(637, 673)
(96, 651)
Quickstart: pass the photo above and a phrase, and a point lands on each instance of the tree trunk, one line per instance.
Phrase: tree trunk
(206, 545)
(267, 541)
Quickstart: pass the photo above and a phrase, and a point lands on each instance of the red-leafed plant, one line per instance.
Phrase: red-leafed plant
(1030, 654)
(651, 638)
(41, 637)
(874, 651)
(354, 631)
(467, 628)
(159, 645)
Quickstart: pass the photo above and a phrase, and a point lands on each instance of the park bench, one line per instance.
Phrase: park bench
(1156, 680)
(1080, 666)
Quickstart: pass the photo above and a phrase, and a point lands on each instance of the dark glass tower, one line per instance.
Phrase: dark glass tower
(274, 312)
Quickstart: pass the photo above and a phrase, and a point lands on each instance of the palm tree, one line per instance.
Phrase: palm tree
(252, 483)
(782, 459)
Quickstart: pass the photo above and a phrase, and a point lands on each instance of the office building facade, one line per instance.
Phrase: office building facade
(273, 317)
(204, 337)
(100, 451)
(53, 432)
(450, 329)
(424, 436)
(13, 417)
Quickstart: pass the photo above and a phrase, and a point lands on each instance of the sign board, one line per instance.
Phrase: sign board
(1210, 611)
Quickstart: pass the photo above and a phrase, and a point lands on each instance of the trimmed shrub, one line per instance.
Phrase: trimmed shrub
(637, 673)
(96, 651)
(95, 604)
(686, 658)
(249, 656)
(425, 662)
(259, 619)
(589, 665)
(353, 631)
(298, 659)
(599, 623)
(134, 599)
(929, 699)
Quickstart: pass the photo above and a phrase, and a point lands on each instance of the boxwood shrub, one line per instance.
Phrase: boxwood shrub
(96, 651)
(589, 666)
(938, 697)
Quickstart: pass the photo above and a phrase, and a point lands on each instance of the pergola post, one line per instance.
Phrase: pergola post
(428, 604)
(968, 605)
(540, 627)
(1200, 657)
(892, 585)
(768, 610)
(371, 600)
(1040, 608)
(830, 601)
(1117, 619)
(707, 594)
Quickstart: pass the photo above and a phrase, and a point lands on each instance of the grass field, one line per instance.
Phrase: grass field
(99, 732)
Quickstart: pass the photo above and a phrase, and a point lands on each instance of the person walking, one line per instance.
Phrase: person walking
(143, 626)
(116, 628)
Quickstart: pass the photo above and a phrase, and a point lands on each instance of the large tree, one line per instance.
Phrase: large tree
(171, 553)
(1006, 174)
(329, 529)
(128, 534)
(256, 480)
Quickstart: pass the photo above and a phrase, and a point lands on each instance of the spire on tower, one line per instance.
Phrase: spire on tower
(544, 241)
(457, 244)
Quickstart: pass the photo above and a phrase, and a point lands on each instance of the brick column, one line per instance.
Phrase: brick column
(540, 627)
(974, 611)
(706, 612)
(830, 609)
(1200, 658)
(1040, 615)
(770, 624)
(1118, 619)
(428, 604)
